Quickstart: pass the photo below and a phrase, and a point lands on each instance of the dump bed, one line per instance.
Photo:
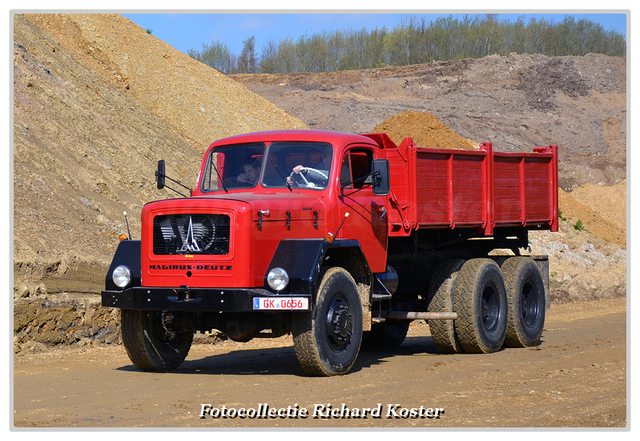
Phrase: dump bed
(483, 189)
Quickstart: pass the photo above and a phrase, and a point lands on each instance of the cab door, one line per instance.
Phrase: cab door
(367, 221)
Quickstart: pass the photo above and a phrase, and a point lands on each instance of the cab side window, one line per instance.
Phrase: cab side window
(356, 168)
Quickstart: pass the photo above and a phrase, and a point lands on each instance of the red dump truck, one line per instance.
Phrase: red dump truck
(341, 240)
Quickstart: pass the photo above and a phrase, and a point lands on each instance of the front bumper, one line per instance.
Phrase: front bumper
(203, 299)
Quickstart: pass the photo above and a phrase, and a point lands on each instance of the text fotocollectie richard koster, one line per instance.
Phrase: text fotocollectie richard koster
(320, 411)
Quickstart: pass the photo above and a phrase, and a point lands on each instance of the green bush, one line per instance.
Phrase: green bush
(561, 216)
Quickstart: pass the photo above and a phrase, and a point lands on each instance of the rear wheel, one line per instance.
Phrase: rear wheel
(443, 332)
(327, 340)
(152, 341)
(526, 298)
(480, 299)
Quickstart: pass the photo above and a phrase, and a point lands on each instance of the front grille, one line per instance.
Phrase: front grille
(191, 234)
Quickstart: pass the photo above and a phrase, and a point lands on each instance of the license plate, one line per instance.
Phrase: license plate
(274, 303)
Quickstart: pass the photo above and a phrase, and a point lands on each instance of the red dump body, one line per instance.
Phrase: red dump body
(483, 189)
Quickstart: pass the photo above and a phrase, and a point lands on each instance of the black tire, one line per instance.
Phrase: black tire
(149, 344)
(443, 332)
(480, 299)
(327, 340)
(527, 302)
(389, 334)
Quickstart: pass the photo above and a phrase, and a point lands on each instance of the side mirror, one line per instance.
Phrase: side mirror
(160, 174)
(381, 177)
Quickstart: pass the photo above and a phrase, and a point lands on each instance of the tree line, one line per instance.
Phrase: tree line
(415, 41)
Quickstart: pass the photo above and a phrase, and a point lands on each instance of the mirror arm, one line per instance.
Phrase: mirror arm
(161, 176)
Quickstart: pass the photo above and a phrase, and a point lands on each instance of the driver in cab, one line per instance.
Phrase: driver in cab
(311, 177)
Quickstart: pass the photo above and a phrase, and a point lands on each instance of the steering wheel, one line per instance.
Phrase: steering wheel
(320, 174)
(305, 182)
(293, 174)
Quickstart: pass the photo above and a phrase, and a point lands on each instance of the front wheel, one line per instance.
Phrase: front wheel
(152, 341)
(327, 340)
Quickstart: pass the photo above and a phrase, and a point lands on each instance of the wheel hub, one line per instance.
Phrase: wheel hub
(490, 309)
(530, 306)
(339, 325)
(166, 320)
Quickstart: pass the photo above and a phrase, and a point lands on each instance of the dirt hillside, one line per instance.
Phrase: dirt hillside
(97, 102)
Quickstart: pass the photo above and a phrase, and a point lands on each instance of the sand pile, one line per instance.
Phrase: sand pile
(425, 129)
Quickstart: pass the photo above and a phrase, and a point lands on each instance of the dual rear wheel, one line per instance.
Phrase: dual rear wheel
(526, 298)
(496, 306)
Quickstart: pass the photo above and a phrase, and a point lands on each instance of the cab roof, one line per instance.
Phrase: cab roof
(335, 138)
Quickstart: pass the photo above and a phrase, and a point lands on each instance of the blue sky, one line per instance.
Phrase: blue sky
(186, 31)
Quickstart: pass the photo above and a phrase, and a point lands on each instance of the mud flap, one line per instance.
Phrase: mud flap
(543, 266)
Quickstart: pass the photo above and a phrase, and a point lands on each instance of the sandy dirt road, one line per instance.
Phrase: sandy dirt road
(575, 378)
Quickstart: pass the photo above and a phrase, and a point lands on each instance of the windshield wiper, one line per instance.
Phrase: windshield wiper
(224, 184)
(280, 173)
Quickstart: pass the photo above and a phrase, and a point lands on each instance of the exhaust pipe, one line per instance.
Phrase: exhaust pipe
(411, 315)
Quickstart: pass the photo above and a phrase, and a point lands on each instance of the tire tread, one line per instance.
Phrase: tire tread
(443, 332)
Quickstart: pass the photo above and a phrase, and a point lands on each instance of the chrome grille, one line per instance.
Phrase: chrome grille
(191, 234)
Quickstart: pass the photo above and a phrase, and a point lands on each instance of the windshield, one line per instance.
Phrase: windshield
(298, 164)
(287, 165)
(233, 166)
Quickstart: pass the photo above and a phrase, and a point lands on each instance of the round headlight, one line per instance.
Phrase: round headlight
(121, 276)
(278, 279)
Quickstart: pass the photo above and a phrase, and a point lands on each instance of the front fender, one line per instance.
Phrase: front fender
(127, 253)
(304, 258)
